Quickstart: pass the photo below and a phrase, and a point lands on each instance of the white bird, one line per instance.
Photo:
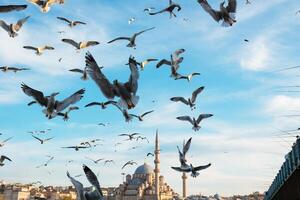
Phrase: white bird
(80, 45)
(182, 155)
(141, 117)
(192, 169)
(45, 5)
(13, 69)
(39, 50)
(42, 141)
(131, 20)
(70, 22)
(187, 77)
(4, 141)
(83, 72)
(2, 159)
(195, 122)
(65, 115)
(12, 29)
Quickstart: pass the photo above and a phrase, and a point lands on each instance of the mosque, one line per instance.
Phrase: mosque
(146, 183)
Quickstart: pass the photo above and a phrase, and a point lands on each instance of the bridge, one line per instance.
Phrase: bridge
(286, 185)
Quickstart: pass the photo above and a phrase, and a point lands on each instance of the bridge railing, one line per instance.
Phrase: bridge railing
(291, 163)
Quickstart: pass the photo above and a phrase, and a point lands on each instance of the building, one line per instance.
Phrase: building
(146, 183)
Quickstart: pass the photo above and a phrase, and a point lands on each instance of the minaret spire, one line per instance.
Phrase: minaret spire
(156, 170)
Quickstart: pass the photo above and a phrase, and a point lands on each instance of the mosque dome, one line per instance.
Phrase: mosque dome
(144, 169)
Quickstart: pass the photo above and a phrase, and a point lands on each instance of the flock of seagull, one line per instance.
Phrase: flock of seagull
(122, 96)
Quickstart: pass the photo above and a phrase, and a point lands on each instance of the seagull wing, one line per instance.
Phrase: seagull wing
(132, 84)
(158, 12)
(20, 23)
(143, 31)
(125, 164)
(186, 118)
(196, 92)
(2, 158)
(74, 98)
(202, 167)
(203, 116)
(30, 47)
(96, 74)
(64, 19)
(9, 8)
(177, 53)
(48, 139)
(216, 15)
(163, 62)
(78, 187)
(92, 178)
(231, 7)
(37, 95)
(76, 70)
(79, 22)
(4, 25)
(71, 42)
(179, 169)
(119, 38)
(7, 139)
(90, 43)
(93, 104)
(186, 147)
(37, 138)
(146, 113)
(181, 99)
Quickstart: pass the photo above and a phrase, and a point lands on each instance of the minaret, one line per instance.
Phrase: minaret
(156, 170)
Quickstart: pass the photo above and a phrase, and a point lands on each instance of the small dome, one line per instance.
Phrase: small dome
(144, 169)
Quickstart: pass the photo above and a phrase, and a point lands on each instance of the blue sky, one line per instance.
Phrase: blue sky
(240, 90)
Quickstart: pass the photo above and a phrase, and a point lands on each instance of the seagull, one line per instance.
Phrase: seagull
(227, 14)
(135, 147)
(39, 50)
(41, 140)
(187, 77)
(46, 164)
(145, 62)
(182, 155)
(66, 114)
(70, 22)
(2, 159)
(173, 62)
(108, 161)
(12, 29)
(44, 5)
(83, 193)
(103, 105)
(246, 40)
(169, 9)
(13, 69)
(75, 147)
(83, 72)
(190, 101)
(131, 162)
(4, 141)
(126, 91)
(80, 45)
(53, 107)
(141, 117)
(130, 136)
(131, 20)
(101, 124)
(60, 59)
(192, 169)
(150, 154)
(132, 38)
(95, 161)
(149, 9)
(10, 8)
(193, 121)
(142, 138)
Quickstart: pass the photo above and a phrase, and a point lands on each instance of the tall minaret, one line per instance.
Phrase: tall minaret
(156, 170)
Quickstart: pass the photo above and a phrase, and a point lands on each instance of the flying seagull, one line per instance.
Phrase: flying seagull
(141, 117)
(187, 77)
(70, 22)
(80, 45)
(174, 62)
(47, 162)
(66, 114)
(142, 138)
(83, 72)
(145, 62)
(126, 91)
(45, 5)
(131, 162)
(95, 161)
(13, 69)
(76, 147)
(130, 136)
(4, 141)
(132, 38)
(103, 105)
(227, 14)
(192, 169)
(131, 20)
(193, 121)
(12, 29)
(2, 159)
(42, 141)
(182, 155)
(149, 9)
(39, 50)
(150, 154)
(108, 161)
(53, 107)
(190, 101)
(169, 9)
(10, 8)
